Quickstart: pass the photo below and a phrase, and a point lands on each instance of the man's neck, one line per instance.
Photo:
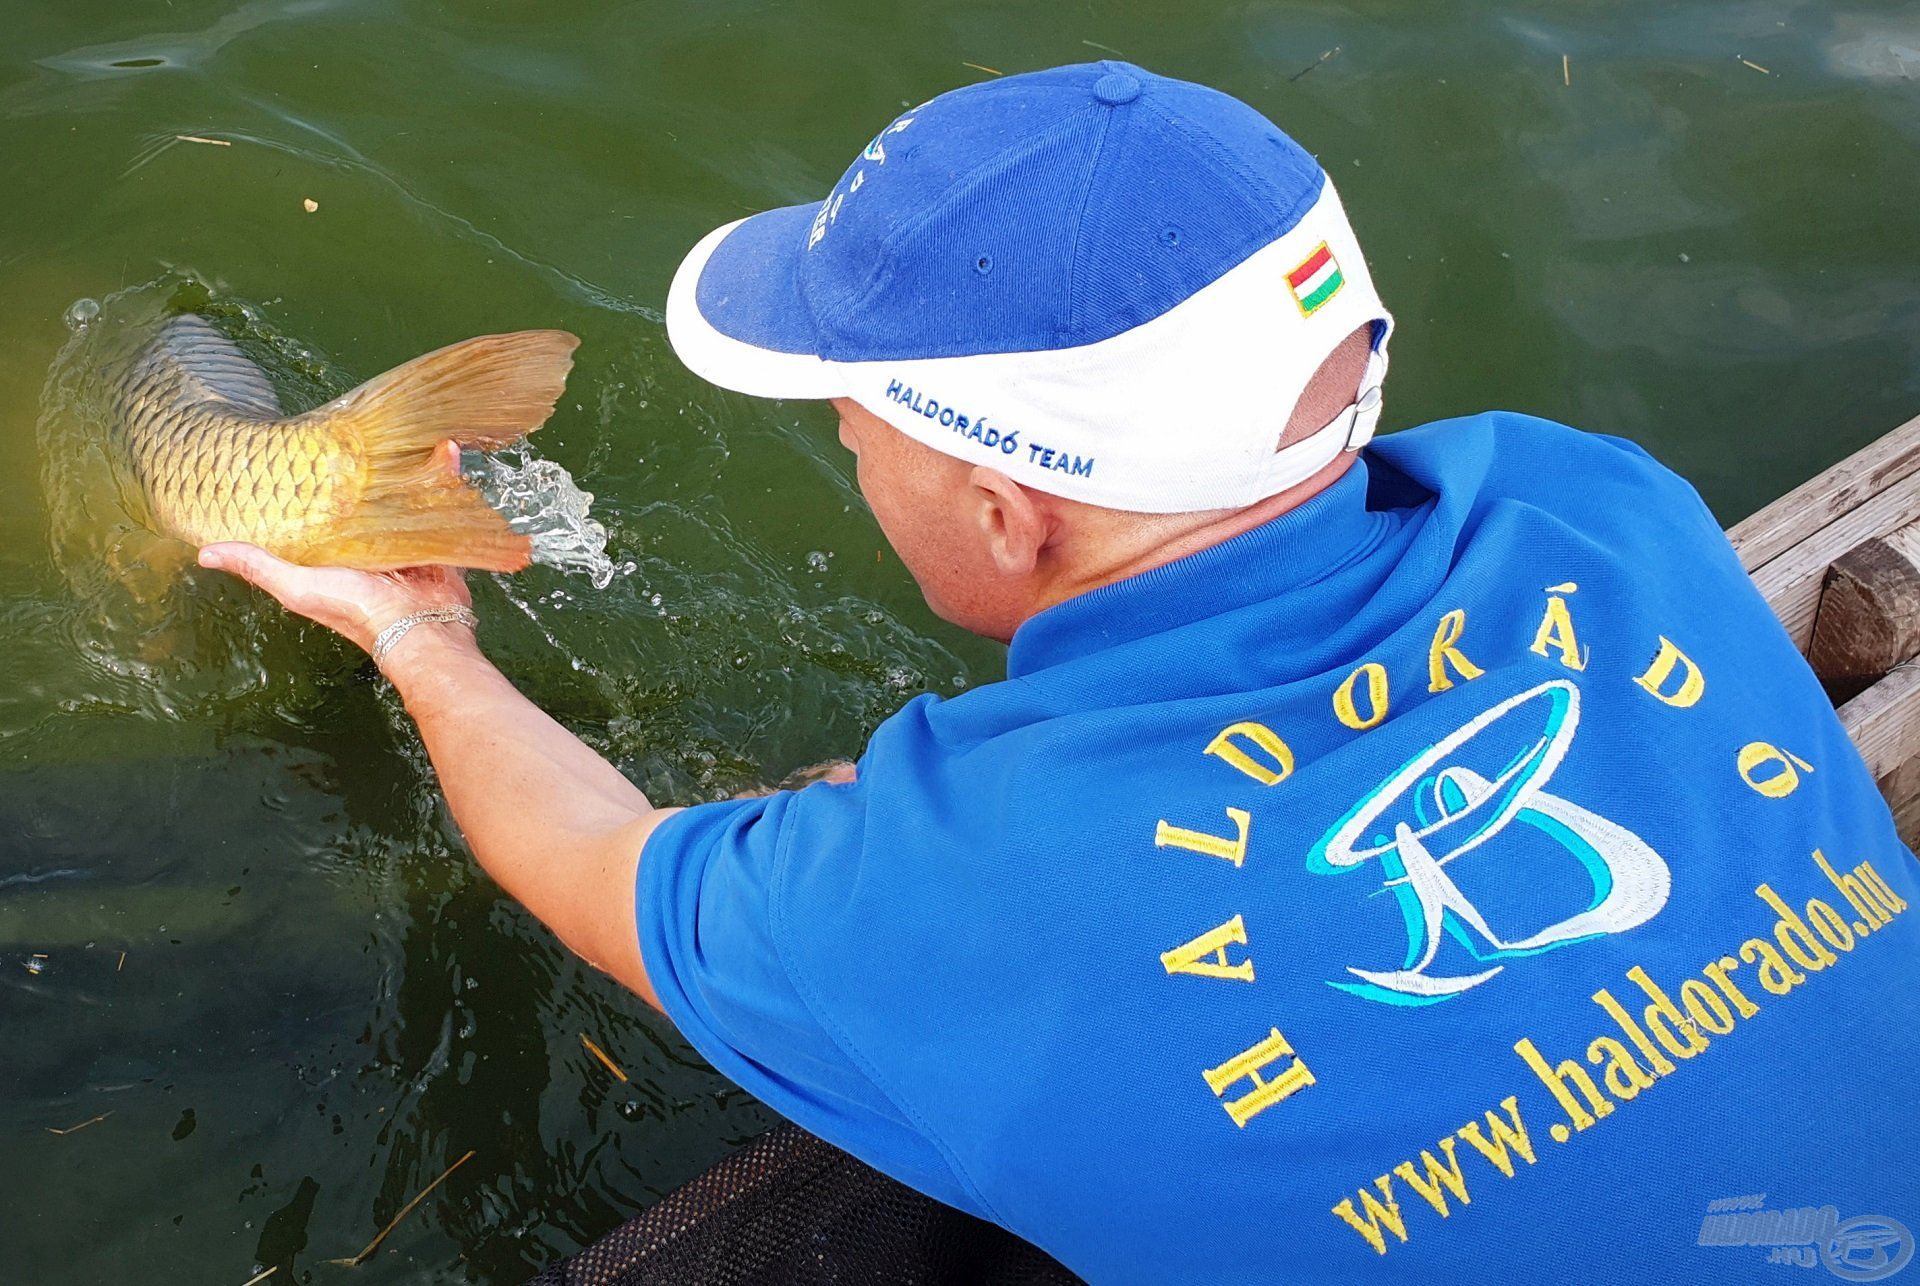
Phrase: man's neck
(1121, 558)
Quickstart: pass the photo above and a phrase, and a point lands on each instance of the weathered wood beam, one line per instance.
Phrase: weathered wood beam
(1869, 615)
(1884, 721)
(1838, 560)
(1901, 789)
(1792, 578)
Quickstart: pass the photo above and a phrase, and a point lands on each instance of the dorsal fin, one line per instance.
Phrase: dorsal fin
(211, 367)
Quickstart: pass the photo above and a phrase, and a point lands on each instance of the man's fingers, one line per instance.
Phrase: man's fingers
(353, 603)
(250, 563)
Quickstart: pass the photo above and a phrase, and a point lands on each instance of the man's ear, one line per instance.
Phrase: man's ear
(1016, 527)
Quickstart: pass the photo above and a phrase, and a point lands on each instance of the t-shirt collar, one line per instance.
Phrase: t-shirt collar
(1295, 549)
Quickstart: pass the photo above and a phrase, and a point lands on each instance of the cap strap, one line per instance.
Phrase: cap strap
(1348, 431)
(1365, 411)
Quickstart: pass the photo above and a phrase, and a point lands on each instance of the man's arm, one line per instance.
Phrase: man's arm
(558, 826)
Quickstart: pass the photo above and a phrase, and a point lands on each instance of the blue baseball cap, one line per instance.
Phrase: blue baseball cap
(1110, 285)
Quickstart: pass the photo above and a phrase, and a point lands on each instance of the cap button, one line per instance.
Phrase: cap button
(1116, 87)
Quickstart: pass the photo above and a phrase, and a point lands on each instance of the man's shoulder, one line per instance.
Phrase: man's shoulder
(1513, 440)
(1506, 455)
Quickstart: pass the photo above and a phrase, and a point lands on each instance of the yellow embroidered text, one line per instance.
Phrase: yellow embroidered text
(1194, 956)
(1251, 1066)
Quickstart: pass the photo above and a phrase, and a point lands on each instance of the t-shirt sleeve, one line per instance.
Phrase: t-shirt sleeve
(706, 906)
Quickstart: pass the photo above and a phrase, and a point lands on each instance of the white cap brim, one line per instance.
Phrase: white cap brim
(720, 358)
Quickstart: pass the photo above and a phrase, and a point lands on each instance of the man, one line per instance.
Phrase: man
(1430, 862)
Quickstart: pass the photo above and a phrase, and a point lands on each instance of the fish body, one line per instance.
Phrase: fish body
(357, 482)
(215, 455)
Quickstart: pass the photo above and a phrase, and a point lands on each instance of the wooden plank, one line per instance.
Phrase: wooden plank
(1821, 500)
(1790, 548)
(1901, 789)
(1791, 580)
(1884, 721)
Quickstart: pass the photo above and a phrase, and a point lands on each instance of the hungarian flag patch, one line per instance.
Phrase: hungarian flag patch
(1316, 280)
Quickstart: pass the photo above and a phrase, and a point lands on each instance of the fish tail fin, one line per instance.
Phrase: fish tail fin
(431, 519)
(413, 509)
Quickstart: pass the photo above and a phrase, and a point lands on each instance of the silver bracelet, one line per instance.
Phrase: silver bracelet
(390, 637)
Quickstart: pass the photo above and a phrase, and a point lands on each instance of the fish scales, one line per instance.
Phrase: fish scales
(216, 455)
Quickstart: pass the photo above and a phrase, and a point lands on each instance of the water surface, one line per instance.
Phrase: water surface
(1704, 241)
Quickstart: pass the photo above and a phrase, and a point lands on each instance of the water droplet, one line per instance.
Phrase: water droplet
(82, 312)
(817, 561)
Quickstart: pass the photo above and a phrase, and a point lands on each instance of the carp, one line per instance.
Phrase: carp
(363, 481)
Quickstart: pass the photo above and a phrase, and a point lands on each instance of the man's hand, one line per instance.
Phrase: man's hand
(356, 604)
(835, 772)
(352, 603)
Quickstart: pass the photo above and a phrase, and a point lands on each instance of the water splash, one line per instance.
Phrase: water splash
(542, 501)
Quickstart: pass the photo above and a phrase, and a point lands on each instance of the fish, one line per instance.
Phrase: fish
(363, 481)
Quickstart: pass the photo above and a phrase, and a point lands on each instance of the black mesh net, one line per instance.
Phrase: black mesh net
(790, 1209)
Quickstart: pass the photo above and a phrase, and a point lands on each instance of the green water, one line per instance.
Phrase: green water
(321, 1004)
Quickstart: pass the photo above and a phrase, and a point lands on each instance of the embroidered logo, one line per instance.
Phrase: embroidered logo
(876, 154)
(1316, 280)
(1441, 807)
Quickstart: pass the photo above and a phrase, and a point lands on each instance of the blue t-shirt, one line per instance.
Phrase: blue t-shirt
(1459, 877)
